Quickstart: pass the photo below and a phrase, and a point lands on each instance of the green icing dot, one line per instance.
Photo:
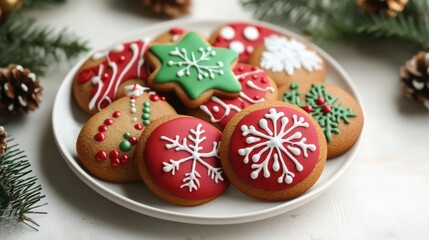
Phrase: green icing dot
(125, 146)
(146, 110)
(127, 135)
(146, 104)
(294, 85)
(146, 116)
(146, 122)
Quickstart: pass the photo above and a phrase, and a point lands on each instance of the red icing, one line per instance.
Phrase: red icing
(239, 36)
(108, 121)
(99, 137)
(102, 128)
(308, 108)
(116, 162)
(157, 154)
(116, 114)
(320, 100)
(124, 158)
(243, 170)
(138, 126)
(132, 140)
(327, 109)
(244, 73)
(117, 67)
(176, 31)
(101, 156)
(114, 154)
(156, 97)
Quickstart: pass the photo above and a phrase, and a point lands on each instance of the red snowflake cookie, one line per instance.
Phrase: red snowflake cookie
(241, 37)
(179, 161)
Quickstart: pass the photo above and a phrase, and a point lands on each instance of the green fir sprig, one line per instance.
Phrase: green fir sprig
(332, 19)
(19, 192)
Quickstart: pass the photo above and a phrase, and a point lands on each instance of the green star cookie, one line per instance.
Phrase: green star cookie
(196, 66)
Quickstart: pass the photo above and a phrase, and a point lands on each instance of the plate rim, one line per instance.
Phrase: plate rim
(187, 217)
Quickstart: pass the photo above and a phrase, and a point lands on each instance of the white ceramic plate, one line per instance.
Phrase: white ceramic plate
(230, 207)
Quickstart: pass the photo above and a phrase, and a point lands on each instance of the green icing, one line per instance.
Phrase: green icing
(146, 104)
(146, 122)
(127, 135)
(328, 121)
(125, 146)
(196, 66)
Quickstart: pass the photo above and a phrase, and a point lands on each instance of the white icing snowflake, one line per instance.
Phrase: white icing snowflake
(284, 141)
(195, 155)
(284, 54)
(203, 71)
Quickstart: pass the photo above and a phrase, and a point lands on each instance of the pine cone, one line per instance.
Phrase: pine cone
(415, 78)
(20, 90)
(168, 8)
(3, 143)
(390, 7)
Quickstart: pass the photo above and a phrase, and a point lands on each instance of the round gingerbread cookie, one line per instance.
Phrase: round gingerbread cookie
(256, 88)
(336, 111)
(100, 79)
(193, 69)
(241, 37)
(288, 60)
(171, 36)
(273, 151)
(178, 159)
(107, 142)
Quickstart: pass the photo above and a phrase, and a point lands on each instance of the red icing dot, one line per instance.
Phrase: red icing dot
(241, 68)
(308, 108)
(116, 162)
(133, 97)
(254, 76)
(102, 128)
(121, 59)
(138, 126)
(116, 114)
(320, 100)
(154, 97)
(253, 68)
(84, 76)
(114, 154)
(124, 158)
(175, 31)
(108, 121)
(101, 156)
(132, 140)
(241, 79)
(100, 137)
(104, 104)
(163, 98)
(219, 39)
(257, 97)
(105, 76)
(264, 80)
(327, 109)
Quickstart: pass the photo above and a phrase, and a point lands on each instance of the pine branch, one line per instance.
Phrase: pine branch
(331, 19)
(40, 3)
(35, 47)
(19, 192)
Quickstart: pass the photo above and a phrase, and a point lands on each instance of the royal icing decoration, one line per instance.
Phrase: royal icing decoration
(242, 38)
(255, 85)
(274, 148)
(122, 62)
(196, 66)
(183, 157)
(283, 54)
(322, 106)
(176, 33)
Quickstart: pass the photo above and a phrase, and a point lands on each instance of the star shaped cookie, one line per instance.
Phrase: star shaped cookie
(193, 69)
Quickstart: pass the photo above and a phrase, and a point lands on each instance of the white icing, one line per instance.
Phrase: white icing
(194, 150)
(189, 60)
(24, 87)
(284, 54)
(227, 32)
(228, 108)
(175, 37)
(216, 109)
(135, 90)
(280, 142)
(237, 46)
(251, 33)
(135, 119)
(250, 49)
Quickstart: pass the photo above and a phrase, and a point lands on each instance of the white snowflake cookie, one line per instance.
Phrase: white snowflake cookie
(273, 151)
(178, 159)
(287, 59)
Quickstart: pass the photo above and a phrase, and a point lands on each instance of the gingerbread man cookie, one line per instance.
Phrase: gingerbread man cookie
(100, 79)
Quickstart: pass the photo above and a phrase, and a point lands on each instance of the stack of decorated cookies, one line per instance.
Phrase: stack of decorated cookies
(188, 115)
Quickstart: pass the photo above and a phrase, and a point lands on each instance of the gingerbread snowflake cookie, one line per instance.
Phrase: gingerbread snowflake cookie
(256, 88)
(243, 38)
(193, 69)
(337, 112)
(101, 78)
(287, 60)
(273, 151)
(178, 159)
(107, 142)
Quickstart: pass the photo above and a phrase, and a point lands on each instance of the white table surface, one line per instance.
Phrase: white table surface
(383, 195)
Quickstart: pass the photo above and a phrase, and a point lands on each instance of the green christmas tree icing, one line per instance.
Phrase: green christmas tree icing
(196, 66)
(322, 107)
